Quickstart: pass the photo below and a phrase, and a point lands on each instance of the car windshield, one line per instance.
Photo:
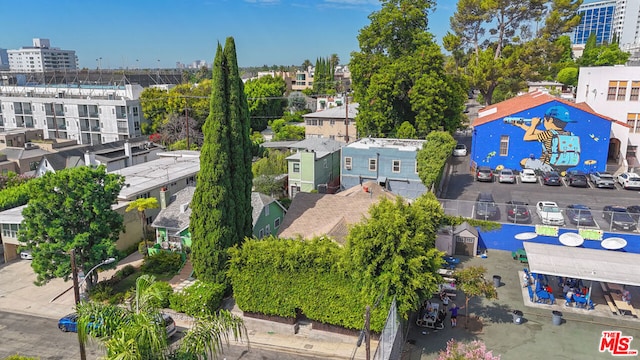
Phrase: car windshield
(460, 146)
(484, 171)
(528, 172)
(550, 209)
(507, 172)
(606, 176)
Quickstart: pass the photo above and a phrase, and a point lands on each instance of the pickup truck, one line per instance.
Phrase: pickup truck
(602, 179)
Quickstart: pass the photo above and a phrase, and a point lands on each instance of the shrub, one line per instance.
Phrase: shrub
(102, 291)
(142, 248)
(117, 298)
(198, 298)
(128, 270)
(164, 292)
(20, 357)
(164, 262)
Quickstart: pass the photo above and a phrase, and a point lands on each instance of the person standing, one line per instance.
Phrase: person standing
(454, 314)
(445, 301)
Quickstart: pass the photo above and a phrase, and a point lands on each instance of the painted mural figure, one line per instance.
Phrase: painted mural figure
(560, 148)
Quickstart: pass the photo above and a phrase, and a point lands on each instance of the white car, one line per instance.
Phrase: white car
(26, 255)
(549, 213)
(629, 180)
(460, 150)
(528, 176)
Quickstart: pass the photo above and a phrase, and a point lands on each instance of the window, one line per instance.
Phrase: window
(33, 165)
(10, 230)
(395, 167)
(633, 120)
(504, 145)
(373, 164)
(135, 110)
(276, 223)
(296, 167)
(347, 162)
(149, 220)
(416, 166)
(267, 230)
(266, 210)
(325, 164)
(617, 90)
(332, 122)
(144, 195)
(261, 234)
(635, 91)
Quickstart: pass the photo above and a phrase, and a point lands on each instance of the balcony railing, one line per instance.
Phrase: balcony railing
(62, 126)
(121, 115)
(95, 128)
(29, 125)
(93, 114)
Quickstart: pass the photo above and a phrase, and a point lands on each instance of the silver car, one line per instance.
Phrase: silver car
(506, 176)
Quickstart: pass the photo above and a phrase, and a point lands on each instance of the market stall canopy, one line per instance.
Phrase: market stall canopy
(588, 264)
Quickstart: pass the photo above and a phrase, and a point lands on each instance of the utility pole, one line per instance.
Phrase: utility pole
(76, 294)
(367, 337)
(186, 110)
(346, 117)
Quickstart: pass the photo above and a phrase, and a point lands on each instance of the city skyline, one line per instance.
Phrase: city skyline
(152, 34)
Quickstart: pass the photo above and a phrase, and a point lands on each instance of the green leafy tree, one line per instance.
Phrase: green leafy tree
(562, 18)
(154, 107)
(286, 132)
(568, 76)
(138, 332)
(221, 204)
(297, 101)
(472, 282)
(433, 156)
(398, 74)
(306, 64)
(266, 100)
(274, 162)
(406, 131)
(70, 210)
(141, 205)
(393, 251)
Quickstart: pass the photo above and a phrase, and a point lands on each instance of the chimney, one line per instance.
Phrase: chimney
(163, 198)
(89, 158)
(127, 152)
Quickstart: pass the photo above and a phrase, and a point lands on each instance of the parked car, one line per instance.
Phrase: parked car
(618, 218)
(484, 173)
(69, 323)
(629, 180)
(460, 150)
(551, 178)
(486, 208)
(634, 211)
(507, 176)
(528, 176)
(602, 180)
(26, 255)
(549, 213)
(580, 215)
(577, 178)
(518, 212)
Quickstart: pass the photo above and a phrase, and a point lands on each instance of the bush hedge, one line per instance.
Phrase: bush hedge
(201, 297)
(276, 277)
(433, 156)
(162, 263)
(16, 196)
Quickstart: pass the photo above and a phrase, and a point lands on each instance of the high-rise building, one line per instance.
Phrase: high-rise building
(41, 57)
(4, 59)
(609, 18)
(597, 17)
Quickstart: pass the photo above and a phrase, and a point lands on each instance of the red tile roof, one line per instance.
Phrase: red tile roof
(528, 101)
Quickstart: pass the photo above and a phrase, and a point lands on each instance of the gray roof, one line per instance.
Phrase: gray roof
(16, 153)
(278, 144)
(175, 216)
(258, 202)
(465, 226)
(66, 159)
(321, 146)
(12, 216)
(337, 112)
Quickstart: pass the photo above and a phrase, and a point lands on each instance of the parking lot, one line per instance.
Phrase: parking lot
(462, 190)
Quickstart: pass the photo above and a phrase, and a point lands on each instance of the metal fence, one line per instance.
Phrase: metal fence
(391, 338)
(572, 218)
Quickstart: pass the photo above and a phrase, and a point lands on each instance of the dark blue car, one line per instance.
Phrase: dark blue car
(580, 215)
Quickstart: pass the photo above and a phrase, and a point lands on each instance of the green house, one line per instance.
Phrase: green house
(172, 223)
(314, 166)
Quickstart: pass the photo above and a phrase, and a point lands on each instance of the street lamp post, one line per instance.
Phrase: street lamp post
(76, 291)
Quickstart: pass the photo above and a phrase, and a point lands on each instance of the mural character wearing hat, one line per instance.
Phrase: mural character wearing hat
(560, 148)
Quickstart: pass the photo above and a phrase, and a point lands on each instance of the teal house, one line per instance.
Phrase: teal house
(315, 165)
(172, 223)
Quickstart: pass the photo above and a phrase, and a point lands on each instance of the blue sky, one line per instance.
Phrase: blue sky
(152, 33)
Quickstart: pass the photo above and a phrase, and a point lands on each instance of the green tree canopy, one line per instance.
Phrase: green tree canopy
(393, 251)
(70, 210)
(568, 76)
(398, 74)
(266, 100)
(472, 282)
(432, 157)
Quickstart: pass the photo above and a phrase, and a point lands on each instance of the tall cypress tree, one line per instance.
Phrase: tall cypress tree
(222, 200)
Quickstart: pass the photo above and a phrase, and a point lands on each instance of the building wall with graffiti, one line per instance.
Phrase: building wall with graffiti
(551, 136)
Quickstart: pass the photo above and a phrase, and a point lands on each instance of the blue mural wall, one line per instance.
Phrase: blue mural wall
(552, 136)
(504, 239)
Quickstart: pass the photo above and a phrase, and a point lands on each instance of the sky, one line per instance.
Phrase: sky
(159, 33)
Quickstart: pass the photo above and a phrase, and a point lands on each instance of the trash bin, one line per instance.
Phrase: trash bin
(496, 280)
(556, 317)
(517, 317)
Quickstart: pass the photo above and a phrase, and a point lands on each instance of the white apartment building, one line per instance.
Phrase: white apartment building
(90, 114)
(614, 91)
(41, 57)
